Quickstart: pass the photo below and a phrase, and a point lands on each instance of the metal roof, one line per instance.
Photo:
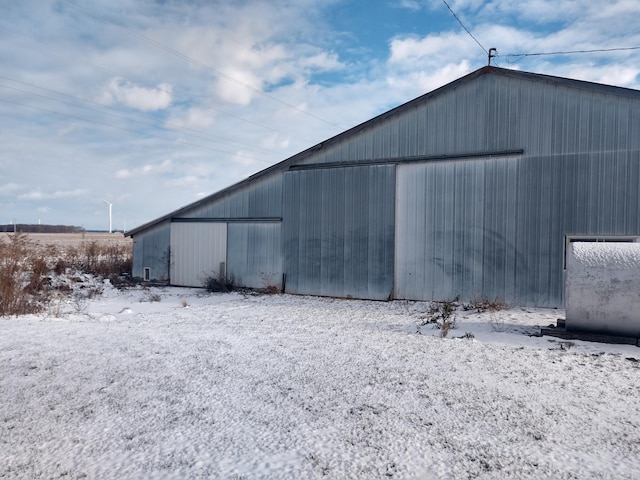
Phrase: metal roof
(285, 164)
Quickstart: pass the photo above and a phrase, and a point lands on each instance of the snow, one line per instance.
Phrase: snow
(615, 255)
(286, 387)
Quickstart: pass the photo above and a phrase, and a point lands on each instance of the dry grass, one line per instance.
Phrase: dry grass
(62, 240)
(29, 262)
(483, 304)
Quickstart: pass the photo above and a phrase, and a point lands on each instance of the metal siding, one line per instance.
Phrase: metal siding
(634, 126)
(254, 254)
(338, 232)
(579, 174)
(496, 227)
(151, 249)
(263, 198)
(196, 252)
(492, 113)
(452, 123)
(452, 238)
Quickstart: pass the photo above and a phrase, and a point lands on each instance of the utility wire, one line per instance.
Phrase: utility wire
(570, 52)
(465, 28)
(223, 112)
(128, 130)
(246, 120)
(201, 65)
(140, 119)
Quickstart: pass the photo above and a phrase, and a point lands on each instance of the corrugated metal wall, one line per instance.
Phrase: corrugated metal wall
(497, 227)
(338, 232)
(151, 250)
(262, 198)
(197, 249)
(496, 112)
(254, 254)
(492, 226)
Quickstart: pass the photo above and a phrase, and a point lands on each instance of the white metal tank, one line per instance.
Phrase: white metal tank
(602, 289)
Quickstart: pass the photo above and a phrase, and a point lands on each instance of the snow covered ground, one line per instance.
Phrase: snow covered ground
(282, 387)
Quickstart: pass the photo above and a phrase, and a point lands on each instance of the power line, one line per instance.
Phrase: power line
(200, 64)
(570, 52)
(465, 28)
(140, 119)
(128, 130)
(211, 107)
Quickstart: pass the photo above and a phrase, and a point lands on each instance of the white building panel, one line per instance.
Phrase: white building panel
(198, 251)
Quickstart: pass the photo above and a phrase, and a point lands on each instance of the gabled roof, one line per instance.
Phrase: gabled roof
(285, 164)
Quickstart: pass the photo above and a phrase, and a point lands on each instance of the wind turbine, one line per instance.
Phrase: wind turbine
(110, 205)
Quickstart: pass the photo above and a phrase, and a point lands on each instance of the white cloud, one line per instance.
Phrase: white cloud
(275, 142)
(32, 196)
(618, 75)
(245, 158)
(9, 188)
(78, 192)
(60, 194)
(414, 5)
(322, 61)
(194, 117)
(184, 181)
(147, 169)
(426, 81)
(436, 49)
(239, 87)
(134, 96)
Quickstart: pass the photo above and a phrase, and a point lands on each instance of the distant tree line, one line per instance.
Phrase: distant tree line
(25, 228)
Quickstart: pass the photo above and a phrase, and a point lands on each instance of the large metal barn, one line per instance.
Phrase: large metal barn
(472, 190)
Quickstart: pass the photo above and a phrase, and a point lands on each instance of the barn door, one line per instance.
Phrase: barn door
(338, 231)
(198, 251)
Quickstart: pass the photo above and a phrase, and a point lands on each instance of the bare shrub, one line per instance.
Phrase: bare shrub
(218, 283)
(24, 283)
(441, 315)
(54, 307)
(90, 256)
(60, 267)
(80, 301)
(445, 325)
(483, 304)
(566, 345)
(150, 296)
(497, 324)
(270, 282)
(72, 258)
(109, 260)
(104, 261)
(29, 271)
(271, 289)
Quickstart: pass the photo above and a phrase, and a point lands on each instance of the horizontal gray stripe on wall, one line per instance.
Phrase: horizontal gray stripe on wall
(412, 159)
(228, 220)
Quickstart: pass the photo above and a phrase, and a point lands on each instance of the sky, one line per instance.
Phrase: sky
(150, 105)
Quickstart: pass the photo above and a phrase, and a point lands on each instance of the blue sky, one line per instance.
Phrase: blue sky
(152, 105)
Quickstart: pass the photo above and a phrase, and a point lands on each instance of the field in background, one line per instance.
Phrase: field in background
(74, 239)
